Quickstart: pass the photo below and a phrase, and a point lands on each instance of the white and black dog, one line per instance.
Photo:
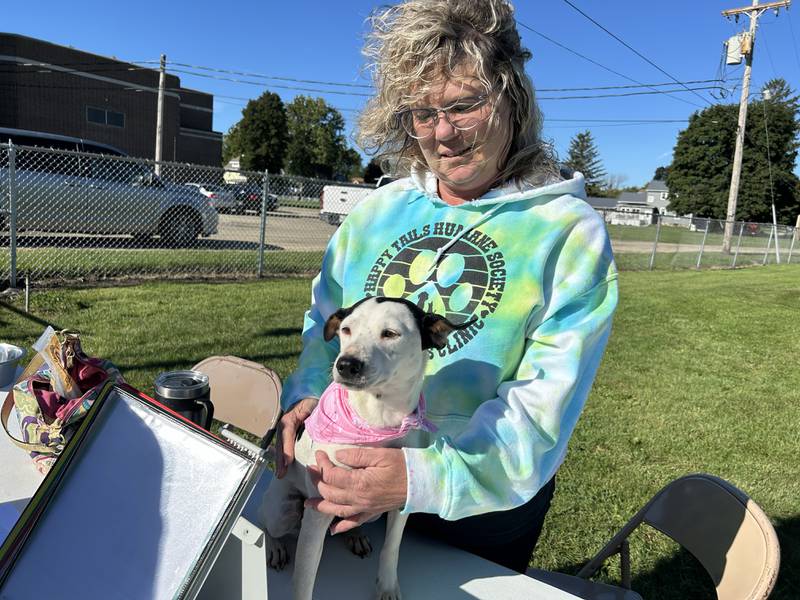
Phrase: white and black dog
(384, 346)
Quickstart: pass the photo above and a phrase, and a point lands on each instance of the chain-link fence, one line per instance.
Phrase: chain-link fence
(74, 217)
(667, 242)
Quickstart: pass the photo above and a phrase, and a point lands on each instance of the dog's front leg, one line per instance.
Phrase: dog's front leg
(388, 585)
(313, 529)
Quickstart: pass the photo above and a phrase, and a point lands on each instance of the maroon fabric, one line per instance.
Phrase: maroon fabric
(48, 400)
(87, 374)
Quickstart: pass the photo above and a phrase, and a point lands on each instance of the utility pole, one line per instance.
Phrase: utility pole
(748, 45)
(162, 77)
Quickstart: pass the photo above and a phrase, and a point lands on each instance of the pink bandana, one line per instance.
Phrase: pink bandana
(334, 421)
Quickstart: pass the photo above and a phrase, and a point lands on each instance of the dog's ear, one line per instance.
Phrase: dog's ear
(333, 322)
(435, 329)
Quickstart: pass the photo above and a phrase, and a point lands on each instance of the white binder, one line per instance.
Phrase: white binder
(139, 505)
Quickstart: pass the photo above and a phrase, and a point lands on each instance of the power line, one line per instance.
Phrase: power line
(570, 89)
(136, 87)
(369, 87)
(259, 75)
(594, 62)
(576, 126)
(624, 87)
(619, 120)
(694, 90)
(106, 68)
(116, 64)
(264, 85)
(240, 101)
(769, 54)
(794, 40)
(632, 49)
(46, 68)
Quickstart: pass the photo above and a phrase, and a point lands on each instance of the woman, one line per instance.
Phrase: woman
(484, 228)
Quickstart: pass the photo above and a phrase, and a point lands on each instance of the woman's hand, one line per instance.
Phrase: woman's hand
(376, 484)
(287, 431)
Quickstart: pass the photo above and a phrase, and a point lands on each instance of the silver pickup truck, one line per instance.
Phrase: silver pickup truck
(337, 200)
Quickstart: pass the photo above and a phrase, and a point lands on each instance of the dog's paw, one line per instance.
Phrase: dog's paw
(277, 555)
(388, 590)
(358, 543)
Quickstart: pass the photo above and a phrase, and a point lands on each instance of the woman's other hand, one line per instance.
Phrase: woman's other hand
(287, 432)
(374, 484)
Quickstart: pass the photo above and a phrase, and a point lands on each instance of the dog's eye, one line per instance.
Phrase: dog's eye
(345, 330)
(388, 334)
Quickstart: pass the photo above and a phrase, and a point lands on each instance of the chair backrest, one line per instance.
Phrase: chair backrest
(244, 393)
(724, 529)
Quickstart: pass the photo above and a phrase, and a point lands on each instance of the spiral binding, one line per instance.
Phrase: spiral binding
(241, 444)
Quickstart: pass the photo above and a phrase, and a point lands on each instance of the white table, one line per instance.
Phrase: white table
(427, 569)
(18, 477)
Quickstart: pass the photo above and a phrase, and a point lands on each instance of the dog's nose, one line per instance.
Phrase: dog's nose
(349, 366)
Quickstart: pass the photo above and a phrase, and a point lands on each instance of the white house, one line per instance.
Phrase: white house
(657, 192)
(632, 208)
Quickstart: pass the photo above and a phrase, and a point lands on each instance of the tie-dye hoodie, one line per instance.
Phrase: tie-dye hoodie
(534, 267)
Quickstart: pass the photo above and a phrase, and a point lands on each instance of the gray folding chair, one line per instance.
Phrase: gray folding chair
(719, 524)
(245, 394)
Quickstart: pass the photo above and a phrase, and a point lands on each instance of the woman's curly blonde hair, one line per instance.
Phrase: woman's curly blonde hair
(418, 42)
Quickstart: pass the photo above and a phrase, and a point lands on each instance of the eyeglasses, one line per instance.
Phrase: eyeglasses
(463, 115)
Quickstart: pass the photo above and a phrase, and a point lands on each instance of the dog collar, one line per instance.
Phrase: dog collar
(334, 421)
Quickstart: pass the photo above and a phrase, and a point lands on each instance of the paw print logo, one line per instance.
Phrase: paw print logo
(454, 286)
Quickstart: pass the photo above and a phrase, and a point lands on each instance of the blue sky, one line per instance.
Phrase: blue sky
(321, 40)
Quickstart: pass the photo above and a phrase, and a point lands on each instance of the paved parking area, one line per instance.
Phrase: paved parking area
(288, 228)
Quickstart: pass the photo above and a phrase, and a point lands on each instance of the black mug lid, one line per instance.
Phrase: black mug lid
(182, 385)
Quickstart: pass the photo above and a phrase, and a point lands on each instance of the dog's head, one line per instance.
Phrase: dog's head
(382, 339)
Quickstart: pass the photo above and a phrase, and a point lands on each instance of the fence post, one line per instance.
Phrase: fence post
(769, 244)
(655, 243)
(738, 243)
(791, 247)
(263, 225)
(12, 212)
(703, 244)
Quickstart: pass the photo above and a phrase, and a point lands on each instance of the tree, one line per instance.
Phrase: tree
(372, 171)
(612, 185)
(780, 91)
(661, 174)
(583, 156)
(231, 144)
(260, 137)
(352, 163)
(317, 145)
(700, 174)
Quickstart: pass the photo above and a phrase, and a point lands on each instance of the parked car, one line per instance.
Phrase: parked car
(250, 197)
(218, 196)
(80, 192)
(40, 139)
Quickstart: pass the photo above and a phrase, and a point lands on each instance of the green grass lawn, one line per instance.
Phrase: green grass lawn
(640, 261)
(681, 235)
(700, 375)
(76, 264)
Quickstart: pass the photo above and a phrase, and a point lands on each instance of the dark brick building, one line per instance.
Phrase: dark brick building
(56, 89)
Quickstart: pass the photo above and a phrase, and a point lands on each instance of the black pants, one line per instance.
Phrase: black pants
(505, 537)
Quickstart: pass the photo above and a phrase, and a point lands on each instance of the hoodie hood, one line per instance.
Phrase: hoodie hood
(494, 200)
(426, 182)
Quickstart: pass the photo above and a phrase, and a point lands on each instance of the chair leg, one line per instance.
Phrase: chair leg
(625, 563)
